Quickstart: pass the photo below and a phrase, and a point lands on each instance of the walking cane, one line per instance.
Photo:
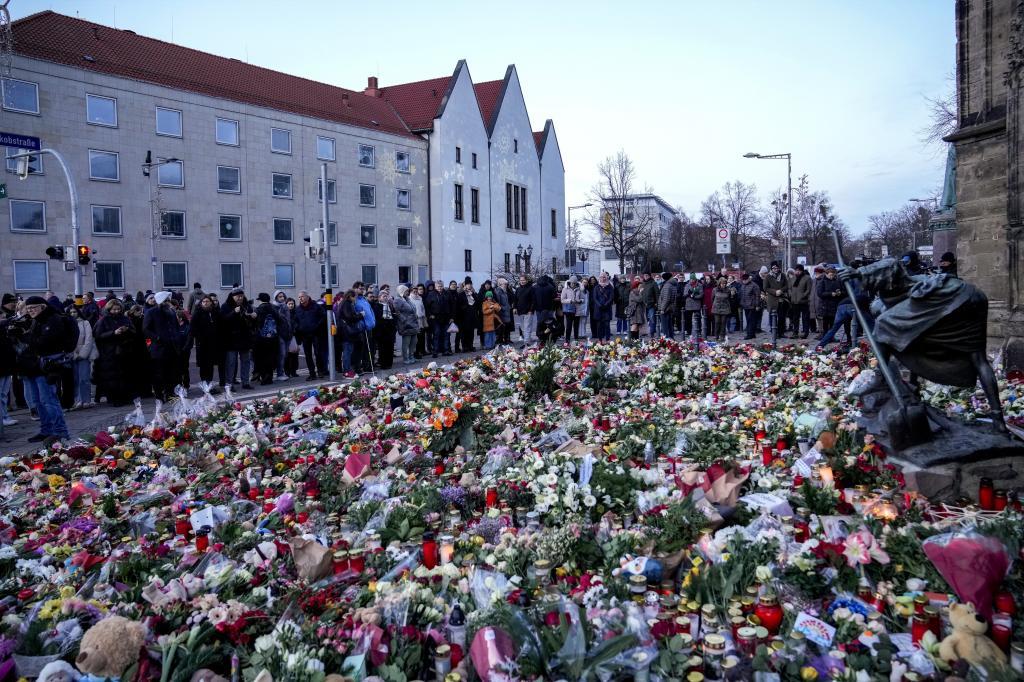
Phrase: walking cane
(366, 335)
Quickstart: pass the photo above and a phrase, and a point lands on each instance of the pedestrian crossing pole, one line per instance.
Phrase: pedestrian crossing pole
(329, 295)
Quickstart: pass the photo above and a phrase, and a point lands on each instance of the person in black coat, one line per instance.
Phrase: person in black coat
(310, 331)
(384, 330)
(439, 314)
(50, 335)
(160, 326)
(206, 335)
(830, 292)
(467, 310)
(267, 341)
(237, 336)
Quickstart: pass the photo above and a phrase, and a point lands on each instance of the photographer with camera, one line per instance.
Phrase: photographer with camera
(42, 345)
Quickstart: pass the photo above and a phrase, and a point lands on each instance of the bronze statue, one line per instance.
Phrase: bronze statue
(934, 324)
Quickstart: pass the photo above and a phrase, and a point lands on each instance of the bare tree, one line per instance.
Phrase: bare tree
(942, 114)
(814, 221)
(900, 230)
(737, 207)
(624, 229)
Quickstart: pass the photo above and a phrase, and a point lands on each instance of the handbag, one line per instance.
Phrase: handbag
(54, 363)
(453, 328)
(293, 345)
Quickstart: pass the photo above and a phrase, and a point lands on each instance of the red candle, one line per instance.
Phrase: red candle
(182, 526)
(759, 436)
(766, 455)
(986, 494)
(356, 561)
(780, 444)
(203, 539)
(769, 612)
(1002, 631)
(492, 497)
(429, 550)
(1004, 603)
(918, 628)
(340, 562)
(999, 503)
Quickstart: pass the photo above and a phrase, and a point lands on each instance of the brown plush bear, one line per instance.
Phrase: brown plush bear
(968, 641)
(110, 646)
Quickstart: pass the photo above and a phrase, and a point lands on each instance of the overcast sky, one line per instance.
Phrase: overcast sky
(684, 87)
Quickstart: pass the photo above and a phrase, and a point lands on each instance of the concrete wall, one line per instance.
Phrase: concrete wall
(62, 125)
(552, 177)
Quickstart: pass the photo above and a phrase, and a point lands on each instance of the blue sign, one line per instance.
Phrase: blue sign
(19, 141)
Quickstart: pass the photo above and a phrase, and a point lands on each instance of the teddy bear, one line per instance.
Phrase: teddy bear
(109, 647)
(968, 641)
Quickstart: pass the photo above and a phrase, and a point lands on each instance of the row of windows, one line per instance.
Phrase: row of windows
(23, 96)
(474, 204)
(34, 275)
(30, 216)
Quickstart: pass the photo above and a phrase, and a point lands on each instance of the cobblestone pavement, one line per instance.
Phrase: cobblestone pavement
(86, 422)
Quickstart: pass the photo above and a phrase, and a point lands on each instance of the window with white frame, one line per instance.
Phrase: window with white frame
(21, 96)
(280, 141)
(168, 122)
(334, 275)
(404, 200)
(35, 163)
(101, 111)
(109, 274)
(27, 216)
(175, 275)
(230, 275)
(231, 228)
(332, 191)
(405, 237)
(104, 166)
(31, 275)
(106, 220)
(283, 230)
(282, 186)
(369, 274)
(227, 131)
(402, 162)
(325, 148)
(366, 155)
(229, 179)
(284, 275)
(367, 195)
(170, 173)
(367, 235)
(332, 231)
(172, 224)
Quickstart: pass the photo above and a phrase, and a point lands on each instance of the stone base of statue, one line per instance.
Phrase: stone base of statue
(957, 455)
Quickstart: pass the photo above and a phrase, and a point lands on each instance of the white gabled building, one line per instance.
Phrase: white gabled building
(496, 207)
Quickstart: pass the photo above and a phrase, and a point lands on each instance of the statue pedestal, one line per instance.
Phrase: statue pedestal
(958, 456)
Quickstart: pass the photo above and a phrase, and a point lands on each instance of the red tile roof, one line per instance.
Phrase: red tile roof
(418, 103)
(82, 44)
(487, 95)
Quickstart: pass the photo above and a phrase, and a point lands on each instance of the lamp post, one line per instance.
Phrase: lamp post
(582, 255)
(569, 224)
(147, 168)
(789, 197)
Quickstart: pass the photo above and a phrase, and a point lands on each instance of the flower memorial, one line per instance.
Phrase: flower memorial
(612, 512)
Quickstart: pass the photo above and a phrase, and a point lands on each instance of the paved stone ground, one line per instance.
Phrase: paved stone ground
(88, 421)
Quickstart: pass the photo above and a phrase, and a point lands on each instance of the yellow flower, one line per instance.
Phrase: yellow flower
(67, 592)
(808, 673)
(128, 454)
(169, 443)
(55, 480)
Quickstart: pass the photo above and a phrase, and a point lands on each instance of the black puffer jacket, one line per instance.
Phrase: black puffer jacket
(237, 330)
(51, 333)
(830, 292)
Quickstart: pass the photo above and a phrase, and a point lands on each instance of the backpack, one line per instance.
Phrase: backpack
(269, 328)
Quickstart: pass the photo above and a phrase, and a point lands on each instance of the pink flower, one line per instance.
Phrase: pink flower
(861, 548)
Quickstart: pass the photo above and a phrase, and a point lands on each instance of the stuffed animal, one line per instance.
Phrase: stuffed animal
(109, 647)
(968, 641)
(58, 671)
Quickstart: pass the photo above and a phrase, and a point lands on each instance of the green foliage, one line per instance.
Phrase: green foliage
(598, 378)
(820, 501)
(708, 446)
(445, 440)
(720, 581)
(676, 527)
(541, 378)
(403, 524)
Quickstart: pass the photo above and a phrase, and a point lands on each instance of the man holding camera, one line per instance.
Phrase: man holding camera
(42, 344)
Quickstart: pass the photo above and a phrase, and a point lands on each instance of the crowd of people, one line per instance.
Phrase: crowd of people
(58, 355)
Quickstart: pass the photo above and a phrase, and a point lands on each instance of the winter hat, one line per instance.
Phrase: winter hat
(402, 290)
(35, 300)
(948, 257)
(468, 280)
(161, 297)
(239, 290)
(8, 298)
(263, 297)
(574, 280)
(665, 276)
(489, 294)
(763, 271)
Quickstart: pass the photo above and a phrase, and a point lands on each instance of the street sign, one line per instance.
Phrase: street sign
(722, 242)
(801, 260)
(23, 141)
(799, 242)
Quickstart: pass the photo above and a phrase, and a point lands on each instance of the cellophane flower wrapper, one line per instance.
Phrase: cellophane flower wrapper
(973, 564)
(136, 417)
(633, 649)
(159, 418)
(182, 409)
(206, 403)
(485, 586)
(493, 654)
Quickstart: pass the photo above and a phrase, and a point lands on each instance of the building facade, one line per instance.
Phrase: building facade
(236, 188)
(989, 209)
(647, 212)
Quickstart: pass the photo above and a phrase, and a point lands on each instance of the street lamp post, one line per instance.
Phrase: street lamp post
(789, 198)
(582, 256)
(147, 169)
(569, 224)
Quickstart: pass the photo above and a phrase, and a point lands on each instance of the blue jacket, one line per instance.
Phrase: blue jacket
(363, 306)
(310, 321)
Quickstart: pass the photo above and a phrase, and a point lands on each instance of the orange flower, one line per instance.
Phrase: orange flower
(449, 416)
(437, 424)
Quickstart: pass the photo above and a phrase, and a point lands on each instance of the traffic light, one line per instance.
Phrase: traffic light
(24, 165)
(84, 254)
(55, 252)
